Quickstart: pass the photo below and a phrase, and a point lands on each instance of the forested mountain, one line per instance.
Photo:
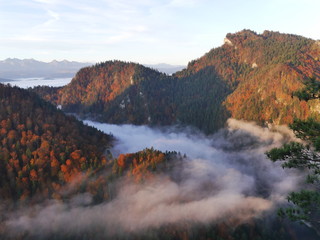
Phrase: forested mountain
(264, 70)
(251, 76)
(119, 92)
(41, 148)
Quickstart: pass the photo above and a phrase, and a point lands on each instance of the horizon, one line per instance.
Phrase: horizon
(70, 61)
(147, 32)
(159, 119)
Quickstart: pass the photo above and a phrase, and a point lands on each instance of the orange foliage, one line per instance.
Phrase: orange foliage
(68, 162)
(12, 134)
(54, 163)
(76, 155)
(36, 139)
(121, 160)
(33, 175)
(21, 127)
(3, 131)
(64, 168)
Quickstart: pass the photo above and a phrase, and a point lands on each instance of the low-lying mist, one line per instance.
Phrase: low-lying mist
(226, 175)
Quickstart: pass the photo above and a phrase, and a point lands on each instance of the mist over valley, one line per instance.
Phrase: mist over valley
(224, 177)
(124, 151)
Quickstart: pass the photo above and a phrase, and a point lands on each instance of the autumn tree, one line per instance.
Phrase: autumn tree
(41, 147)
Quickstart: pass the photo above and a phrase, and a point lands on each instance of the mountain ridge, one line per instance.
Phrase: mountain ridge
(251, 77)
(20, 68)
(258, 66)
(23, 68)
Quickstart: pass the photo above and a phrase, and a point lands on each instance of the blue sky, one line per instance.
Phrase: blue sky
(144, 31)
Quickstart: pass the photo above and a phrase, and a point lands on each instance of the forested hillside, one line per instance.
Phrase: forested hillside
(119, 92)
(41, 148)
(195, 101)
(142, 171)
(251, 76)
(264, 71)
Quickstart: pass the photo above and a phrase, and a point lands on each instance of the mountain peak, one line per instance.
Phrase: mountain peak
(240, 37)
(244, 32)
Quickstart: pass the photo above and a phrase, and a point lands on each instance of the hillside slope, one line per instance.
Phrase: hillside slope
(264, 71)
(119, 92)
(41, 148)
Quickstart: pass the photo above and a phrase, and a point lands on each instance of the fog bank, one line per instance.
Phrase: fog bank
(226, 175)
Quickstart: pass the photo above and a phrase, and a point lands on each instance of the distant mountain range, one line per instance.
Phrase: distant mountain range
(166, 68)
(12, 68)
(5, 80)
(251, 76)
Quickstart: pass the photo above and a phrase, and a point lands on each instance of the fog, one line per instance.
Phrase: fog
(33, 82)
(226, 175)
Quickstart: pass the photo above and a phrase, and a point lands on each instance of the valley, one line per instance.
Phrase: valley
(221, 186)
(123, 151)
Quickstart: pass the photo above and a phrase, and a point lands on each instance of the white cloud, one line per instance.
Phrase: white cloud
(183, 3)
(181, 29)
(46, 1)
(55, 16)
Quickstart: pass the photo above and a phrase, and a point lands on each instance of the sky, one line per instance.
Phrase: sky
(143, 31)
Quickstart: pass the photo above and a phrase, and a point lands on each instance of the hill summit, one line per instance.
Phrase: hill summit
(251, 76)
(263, 71)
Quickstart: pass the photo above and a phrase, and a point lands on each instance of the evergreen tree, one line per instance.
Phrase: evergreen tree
(303, 156)
(297, 155)
(311, 90)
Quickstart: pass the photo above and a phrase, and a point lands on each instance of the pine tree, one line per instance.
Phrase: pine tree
(297, 155)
